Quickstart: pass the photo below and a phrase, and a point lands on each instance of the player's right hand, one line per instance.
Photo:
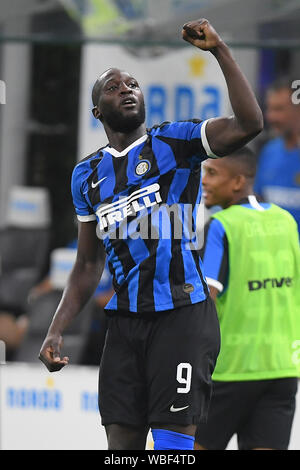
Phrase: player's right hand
(201, 34)
(50, 353)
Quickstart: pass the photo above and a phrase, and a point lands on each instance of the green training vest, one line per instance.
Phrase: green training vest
(259, 311)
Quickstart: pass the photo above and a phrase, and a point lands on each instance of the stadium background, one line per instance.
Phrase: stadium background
(51, 51)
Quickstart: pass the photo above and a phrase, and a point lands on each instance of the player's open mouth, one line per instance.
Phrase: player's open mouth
(205, 195)
(128, 103)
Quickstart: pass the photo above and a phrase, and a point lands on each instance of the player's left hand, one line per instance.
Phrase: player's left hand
(50, 353)
(201, 34)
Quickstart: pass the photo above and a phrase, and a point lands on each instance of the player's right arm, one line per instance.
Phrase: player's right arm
(227, 134)
(82, 283)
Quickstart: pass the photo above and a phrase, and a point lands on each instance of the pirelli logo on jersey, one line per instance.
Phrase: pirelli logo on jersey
(136, 202)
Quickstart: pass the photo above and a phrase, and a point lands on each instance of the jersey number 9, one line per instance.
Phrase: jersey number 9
(184, 377)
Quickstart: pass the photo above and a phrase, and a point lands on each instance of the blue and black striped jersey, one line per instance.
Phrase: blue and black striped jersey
(145, 202)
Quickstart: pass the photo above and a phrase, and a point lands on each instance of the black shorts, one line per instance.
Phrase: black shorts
(158, 370)
(259, 412)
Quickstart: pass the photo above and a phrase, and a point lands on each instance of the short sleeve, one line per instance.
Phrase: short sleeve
(196, 132)
(205, 142)
(187, 139)
(83, 210)
(215, 254)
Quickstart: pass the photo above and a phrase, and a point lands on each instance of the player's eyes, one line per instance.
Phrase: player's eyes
(112, 87)
(115, 86)
(132, 84)
(208, 171)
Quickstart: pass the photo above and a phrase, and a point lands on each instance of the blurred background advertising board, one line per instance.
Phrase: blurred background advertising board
(43, 411)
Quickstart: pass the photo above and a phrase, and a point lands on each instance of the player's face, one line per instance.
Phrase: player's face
(121, 102)
(218, 183)
(280, 111)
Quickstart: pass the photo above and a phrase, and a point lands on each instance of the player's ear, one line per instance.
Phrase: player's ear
(96, 113)
(239, 182)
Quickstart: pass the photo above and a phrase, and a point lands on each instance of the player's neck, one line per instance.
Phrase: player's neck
(120, 141)
(239, 196)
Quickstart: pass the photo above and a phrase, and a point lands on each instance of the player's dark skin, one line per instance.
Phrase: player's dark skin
(224, 135)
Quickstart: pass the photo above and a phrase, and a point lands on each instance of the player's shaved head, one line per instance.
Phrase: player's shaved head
(242, 161)
(118, 101)
(97, 85)
(96, 91)
(228, 179)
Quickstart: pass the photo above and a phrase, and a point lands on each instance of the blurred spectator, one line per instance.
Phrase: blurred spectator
(12, 331)
(13, 328)
(94, 343)
(278, 174)
(24, 250)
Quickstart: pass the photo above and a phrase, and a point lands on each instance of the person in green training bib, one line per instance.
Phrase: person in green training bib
(251, 262)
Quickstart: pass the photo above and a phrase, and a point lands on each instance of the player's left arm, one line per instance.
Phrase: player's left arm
(227, 134)
(214, 255)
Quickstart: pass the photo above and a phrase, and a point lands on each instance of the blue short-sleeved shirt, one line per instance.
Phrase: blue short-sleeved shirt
(278, 177)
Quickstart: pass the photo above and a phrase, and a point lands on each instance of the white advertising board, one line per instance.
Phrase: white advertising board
(47, 411)
(43, 411)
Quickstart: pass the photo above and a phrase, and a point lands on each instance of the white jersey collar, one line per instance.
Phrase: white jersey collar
(254, 203)
(118, 154)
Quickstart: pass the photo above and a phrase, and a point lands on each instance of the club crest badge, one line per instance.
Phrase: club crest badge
(142, 167)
